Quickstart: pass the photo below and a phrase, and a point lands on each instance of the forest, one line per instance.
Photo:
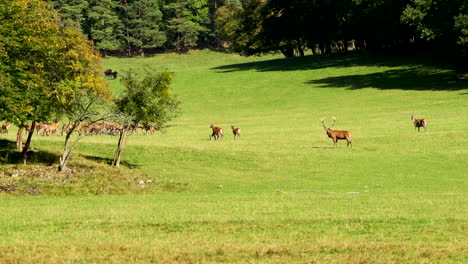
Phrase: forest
(256, 27)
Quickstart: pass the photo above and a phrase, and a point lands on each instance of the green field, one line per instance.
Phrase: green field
(396, 196)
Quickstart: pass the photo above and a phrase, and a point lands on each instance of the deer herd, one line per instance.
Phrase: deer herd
(335, 135)
(99, 128)
(105, 127)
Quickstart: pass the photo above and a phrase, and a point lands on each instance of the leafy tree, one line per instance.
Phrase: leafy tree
(243, 29)
(83, 93)
(72, 12)
(441, 23)
(185, 20)
(44, 63)
(147, 100)
(142, 20)
(461, 27)
(105, 25)
(222, 15)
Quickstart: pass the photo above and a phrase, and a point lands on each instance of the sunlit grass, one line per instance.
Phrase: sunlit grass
(397, 196)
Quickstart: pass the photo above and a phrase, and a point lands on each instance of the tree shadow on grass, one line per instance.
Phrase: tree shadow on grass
(419, 73)
(109, 161)
(316, 147)
(312, 62)
(298, 63)
(9, 155)
(402, 79)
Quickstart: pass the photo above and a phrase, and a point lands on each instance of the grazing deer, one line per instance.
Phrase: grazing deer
(52, 129)
(418, 123)
(41, 129)
(336, 135)
(5, 128)
(147, 129)
(217, 132)
(110, 73)
(47, 128)
(236, 132)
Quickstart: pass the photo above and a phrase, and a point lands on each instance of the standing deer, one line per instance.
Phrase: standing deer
(418, 123)
(336, 135)
(236, 132)
(5, 128)
(217, 132)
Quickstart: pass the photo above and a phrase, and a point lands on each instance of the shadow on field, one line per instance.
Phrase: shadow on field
(420, 73)
(403, 79)
(9, 155)
(109, 161)
(315, 147)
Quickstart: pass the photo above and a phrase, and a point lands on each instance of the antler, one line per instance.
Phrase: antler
(334, 120)
(323, 123)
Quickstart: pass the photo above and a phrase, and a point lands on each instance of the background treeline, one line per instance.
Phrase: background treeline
(253, 27)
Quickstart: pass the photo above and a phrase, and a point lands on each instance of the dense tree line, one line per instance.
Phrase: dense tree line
(334, 25)
(253, 27)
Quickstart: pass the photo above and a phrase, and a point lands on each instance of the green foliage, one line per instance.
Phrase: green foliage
(45, 65)
(186, 21)
(29, 36)
(443, 22)
(106, 26)
(148, 97)
(72, 12)
(461, 26)
(141, 24)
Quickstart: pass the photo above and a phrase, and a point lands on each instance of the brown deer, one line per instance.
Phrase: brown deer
(336, 135)
(52, 128)
(148, 129)
(41, 129)
(418, 123)
(5, 128)
(236, 132)
(47, 128)
(217, 132)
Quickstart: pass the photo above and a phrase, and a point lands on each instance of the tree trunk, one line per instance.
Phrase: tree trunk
(120, 147)
(24, 153)
(300, 49)
(322, 47)
(19, 138)
(63, 166)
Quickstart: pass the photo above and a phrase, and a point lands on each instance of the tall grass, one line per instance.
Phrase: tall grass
(397, 196)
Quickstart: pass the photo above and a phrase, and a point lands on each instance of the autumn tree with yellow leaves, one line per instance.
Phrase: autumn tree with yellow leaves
(47, 70)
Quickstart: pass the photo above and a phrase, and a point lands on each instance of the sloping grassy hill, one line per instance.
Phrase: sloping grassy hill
(288, 196)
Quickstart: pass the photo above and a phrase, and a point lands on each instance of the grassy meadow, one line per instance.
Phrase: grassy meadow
(288, 196)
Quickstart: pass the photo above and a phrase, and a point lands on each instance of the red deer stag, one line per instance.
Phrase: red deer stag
(5, 128)
(217, 132)
(236, 132)
(418, 123)
(336, 135)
